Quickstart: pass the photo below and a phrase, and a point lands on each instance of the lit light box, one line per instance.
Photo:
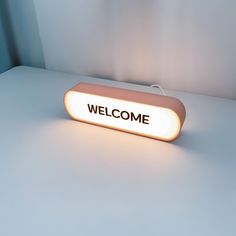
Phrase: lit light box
(146, 114)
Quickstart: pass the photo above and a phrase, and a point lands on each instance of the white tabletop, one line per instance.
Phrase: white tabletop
(62, 177)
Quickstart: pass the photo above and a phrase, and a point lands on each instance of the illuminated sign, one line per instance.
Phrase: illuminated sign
(151, 115)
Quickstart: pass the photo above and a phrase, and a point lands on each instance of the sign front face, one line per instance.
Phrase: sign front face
(143, 119)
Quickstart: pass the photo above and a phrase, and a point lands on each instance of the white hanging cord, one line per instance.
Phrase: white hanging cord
(158, 86)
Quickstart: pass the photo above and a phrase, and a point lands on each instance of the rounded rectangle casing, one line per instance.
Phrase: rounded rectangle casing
(146, 114)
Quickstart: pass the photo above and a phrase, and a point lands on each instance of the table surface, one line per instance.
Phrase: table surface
(62, 177)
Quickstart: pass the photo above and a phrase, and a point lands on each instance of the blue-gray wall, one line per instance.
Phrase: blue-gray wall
(25, 32)
(6, 59)
(20, 43)
(183, 45)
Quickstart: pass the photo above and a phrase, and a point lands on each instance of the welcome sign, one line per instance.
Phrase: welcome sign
(151, 115)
